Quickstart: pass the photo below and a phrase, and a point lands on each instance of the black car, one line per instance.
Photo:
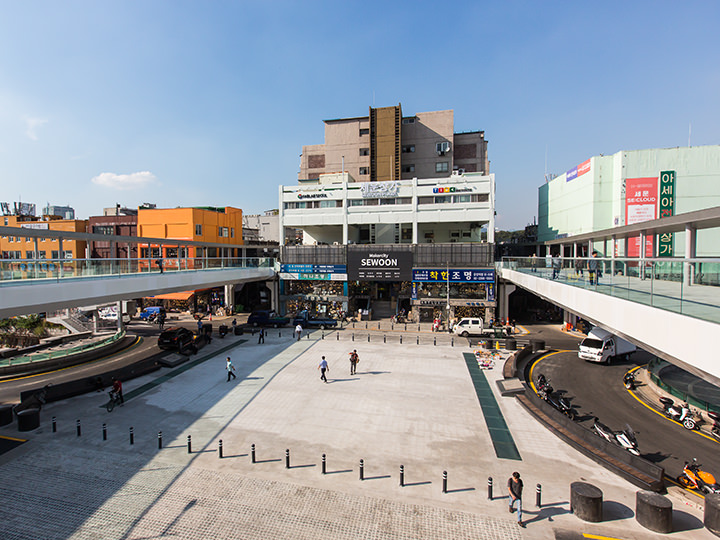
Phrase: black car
(177, 339)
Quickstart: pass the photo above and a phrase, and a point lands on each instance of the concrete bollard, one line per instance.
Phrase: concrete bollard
(220, 449)
(104, 432)
(132, 436)
(402, 475)
(490, 488)
(538, 495)
(586, 502)
(252, 453)
(54, 425)
(287, 458)
(159, 440)
(324, 465)
(444, 488)
(79, 432)
(189, 444)
(654, 512)
(362, 469)
(711, 517)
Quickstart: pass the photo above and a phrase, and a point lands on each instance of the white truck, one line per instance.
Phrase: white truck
(603, 346)
(473, 326)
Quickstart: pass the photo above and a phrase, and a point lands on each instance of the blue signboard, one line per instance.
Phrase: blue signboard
(455, 275)
(314, 268)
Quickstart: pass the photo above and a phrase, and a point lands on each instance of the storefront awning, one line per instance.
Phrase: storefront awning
(183, 295)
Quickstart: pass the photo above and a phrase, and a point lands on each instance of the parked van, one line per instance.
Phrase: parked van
(602, 346)
(150, 313)
(469, 326)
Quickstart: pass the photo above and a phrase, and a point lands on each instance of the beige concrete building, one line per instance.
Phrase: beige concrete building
(387, 146)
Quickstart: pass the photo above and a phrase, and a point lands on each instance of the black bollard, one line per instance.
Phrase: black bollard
(538, 496)
(378, 326)
(368, 338)
(353, 336)
(444, 482)
(434, 341)
(252, 453)
(132, 436)
(452, 341)
(392, 326)
(308, 335)
(279, 333)
(159, 440)
(189, 444)
(338, 337)
(366, 325)
(78, 428)
(384, 338)
(362, 470)
(287, 458)
(418, 327)
(402, 475)
(353, 324)
(54, 425)
(323, 464)
(104, 432)
(417, 341)
(400, 339)
(322, 335)
(406, 327)
(220, 449)
(490, 484)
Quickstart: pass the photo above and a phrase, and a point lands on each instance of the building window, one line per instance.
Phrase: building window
(408, 148)
(441, 166)
(442, 147)
(384, 202)
(330, 204)
(364, 151)
(232, 232)
(104, 229)
(6, 221)
(223, 232)
(198, 230)
(408, 168)
(480, 197)
(364, 170)
(462, 198)
(364, 131)
(409, 120)
(29, 254)
(426, 200)
(441, 200)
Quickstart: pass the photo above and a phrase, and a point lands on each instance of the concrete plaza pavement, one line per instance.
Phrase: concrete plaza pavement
(408, 404)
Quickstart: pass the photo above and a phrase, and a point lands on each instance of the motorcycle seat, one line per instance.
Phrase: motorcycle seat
(667, 401)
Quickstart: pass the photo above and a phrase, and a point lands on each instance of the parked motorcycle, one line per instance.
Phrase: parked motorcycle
(629, 380)
(625, 438)
(541, 382)
(715, 429)
(546, 393)
(680, 413)
(694, 477)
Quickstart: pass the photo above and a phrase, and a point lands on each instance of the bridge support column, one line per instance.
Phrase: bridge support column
(229, 298)
(690, 252)
(506, 289)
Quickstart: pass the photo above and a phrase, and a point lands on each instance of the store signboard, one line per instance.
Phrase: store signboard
(380, 190)
(581, 169)
(455, 275)
(312, 276)
(314, 268)
(667, 209)
(379, 264)
(641, 197)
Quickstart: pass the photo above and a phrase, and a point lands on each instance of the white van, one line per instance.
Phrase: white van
(469, 326)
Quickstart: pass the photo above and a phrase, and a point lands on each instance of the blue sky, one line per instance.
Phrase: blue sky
(209, 103)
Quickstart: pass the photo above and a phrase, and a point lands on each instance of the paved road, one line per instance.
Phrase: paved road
(597, 390)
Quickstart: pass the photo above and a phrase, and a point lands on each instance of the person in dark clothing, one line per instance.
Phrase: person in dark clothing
(323, 367)
(593, 268)
(261, 336)
(117, 389)
(515, 487)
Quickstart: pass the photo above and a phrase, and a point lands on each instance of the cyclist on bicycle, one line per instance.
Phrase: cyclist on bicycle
(117, 390)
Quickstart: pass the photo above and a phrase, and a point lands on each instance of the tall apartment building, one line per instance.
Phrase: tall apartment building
(387, 146)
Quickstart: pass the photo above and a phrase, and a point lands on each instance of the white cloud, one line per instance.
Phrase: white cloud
(125, 181)
(31, 126)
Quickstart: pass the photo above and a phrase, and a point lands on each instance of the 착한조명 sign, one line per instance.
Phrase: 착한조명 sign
(372, 264)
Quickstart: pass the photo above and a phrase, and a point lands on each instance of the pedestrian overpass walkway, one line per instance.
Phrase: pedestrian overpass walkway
(44, 286)
(668, 307)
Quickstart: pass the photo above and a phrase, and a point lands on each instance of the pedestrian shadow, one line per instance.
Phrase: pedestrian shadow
(330, 381)
(375, 372)
(615, 511)
(548, 511)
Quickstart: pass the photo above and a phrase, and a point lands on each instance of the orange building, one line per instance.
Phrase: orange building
(202, 224)
(22, 247)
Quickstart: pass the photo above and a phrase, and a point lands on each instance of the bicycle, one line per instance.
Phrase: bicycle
(114, 400)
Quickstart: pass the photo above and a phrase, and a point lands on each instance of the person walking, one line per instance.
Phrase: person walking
(593, 268)
(515, 487)
(556, 266)
(354, 359)
(261, 336)
(161, 320)
(230, 369)
(533, 262)
(323, 367)
(298, 331)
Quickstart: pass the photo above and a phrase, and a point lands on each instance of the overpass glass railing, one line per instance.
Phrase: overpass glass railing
(687, 286)
(13, 271)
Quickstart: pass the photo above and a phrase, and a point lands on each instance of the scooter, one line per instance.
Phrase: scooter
(558, 402)
(625, 438)
(629, 380)
(715, 429)
(541, 382)
(694, 477)
(680, 413)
